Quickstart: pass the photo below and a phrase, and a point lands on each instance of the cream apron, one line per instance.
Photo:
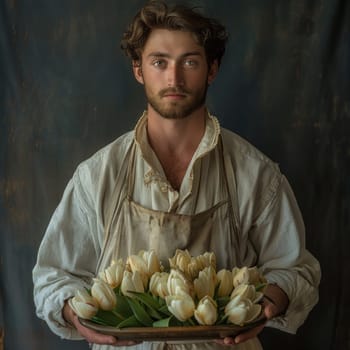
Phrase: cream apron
(131, 228)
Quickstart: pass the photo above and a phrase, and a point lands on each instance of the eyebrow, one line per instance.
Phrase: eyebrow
(165, 55)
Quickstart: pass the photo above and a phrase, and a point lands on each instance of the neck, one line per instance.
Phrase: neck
(174, 141)
(176, 135)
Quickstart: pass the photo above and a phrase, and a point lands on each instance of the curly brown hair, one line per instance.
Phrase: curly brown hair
(156, 14)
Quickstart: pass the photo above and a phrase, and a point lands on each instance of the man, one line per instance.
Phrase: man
(177, 181)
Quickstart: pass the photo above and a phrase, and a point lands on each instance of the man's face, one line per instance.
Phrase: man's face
(174, 71)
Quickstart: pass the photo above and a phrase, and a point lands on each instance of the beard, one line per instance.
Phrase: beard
(177, 109)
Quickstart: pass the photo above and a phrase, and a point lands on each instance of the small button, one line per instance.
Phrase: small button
(164, 188)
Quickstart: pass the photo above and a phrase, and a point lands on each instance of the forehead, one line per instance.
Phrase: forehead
(171, 42)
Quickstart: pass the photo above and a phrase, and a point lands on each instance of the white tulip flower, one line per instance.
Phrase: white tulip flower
(205, 260)
(145, 263)
(180, 260)
(240, 311)
(247, 275)
(158, 284)
(131, 282)
(83, 304)
(104, 294)
(113, 275)
(181, 306)
(152, 261)
(205, 283)
(191, 266)
(206, 312)
(178, 283)
(225, 281)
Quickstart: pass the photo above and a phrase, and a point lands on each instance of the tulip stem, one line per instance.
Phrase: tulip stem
(115, 313)
(191, 322)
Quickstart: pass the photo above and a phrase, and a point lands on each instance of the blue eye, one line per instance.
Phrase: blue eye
(190, 63)
(158, 63)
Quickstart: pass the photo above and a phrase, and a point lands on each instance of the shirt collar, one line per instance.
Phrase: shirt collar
(208, 142)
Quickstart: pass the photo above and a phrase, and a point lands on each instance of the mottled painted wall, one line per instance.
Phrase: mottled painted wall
(66, 90)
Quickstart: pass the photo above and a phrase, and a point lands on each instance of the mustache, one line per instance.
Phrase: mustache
(174, 90)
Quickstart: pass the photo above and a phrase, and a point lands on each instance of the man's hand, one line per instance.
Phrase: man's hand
(90, 335)
(275, 303)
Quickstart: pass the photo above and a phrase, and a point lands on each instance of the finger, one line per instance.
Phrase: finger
(127, 343)
(249, 334)
(270, 310)
(225, 341)
(97, 338)
(229, 341)
(92, 336)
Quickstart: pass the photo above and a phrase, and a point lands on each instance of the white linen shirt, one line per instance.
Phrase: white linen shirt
(271, 224)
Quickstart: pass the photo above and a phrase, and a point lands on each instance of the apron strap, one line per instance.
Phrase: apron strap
(131, 172)
(114, 206)
(231, 184)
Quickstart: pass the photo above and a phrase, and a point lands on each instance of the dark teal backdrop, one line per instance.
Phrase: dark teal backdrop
(66, 90)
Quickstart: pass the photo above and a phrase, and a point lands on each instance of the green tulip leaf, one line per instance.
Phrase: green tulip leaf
(123, 307)
(151, 304)
(221, 320)
(260, 287)
(130, 322)
(216, 291)
(140, 313)
(106, 318)
(154, 314)
(101, 321)
(162, 323)
(222, 301)
(164, 310)
(161, 301)
(146, 299)
(167, 322)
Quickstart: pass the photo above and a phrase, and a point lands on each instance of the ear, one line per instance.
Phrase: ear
(213, 71)
(137, 69)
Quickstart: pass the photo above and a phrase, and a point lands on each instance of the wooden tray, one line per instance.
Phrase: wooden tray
(172, 333)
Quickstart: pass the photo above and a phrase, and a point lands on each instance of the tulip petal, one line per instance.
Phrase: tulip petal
(82, 309)
(253, 312)
(206, 312)
(181, 306)
(104, 294)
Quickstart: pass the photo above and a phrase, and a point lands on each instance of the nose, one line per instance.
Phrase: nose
(175, 75)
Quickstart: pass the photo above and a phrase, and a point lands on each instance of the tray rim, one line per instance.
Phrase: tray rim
(177, 333)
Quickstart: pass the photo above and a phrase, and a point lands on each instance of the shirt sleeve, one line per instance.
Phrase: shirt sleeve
(67, 257)
(278, 235)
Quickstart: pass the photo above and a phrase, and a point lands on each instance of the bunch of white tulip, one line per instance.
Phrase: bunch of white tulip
(191, 265)
(140, 293)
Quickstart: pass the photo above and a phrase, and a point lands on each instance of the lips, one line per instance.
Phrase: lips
(172, 93)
